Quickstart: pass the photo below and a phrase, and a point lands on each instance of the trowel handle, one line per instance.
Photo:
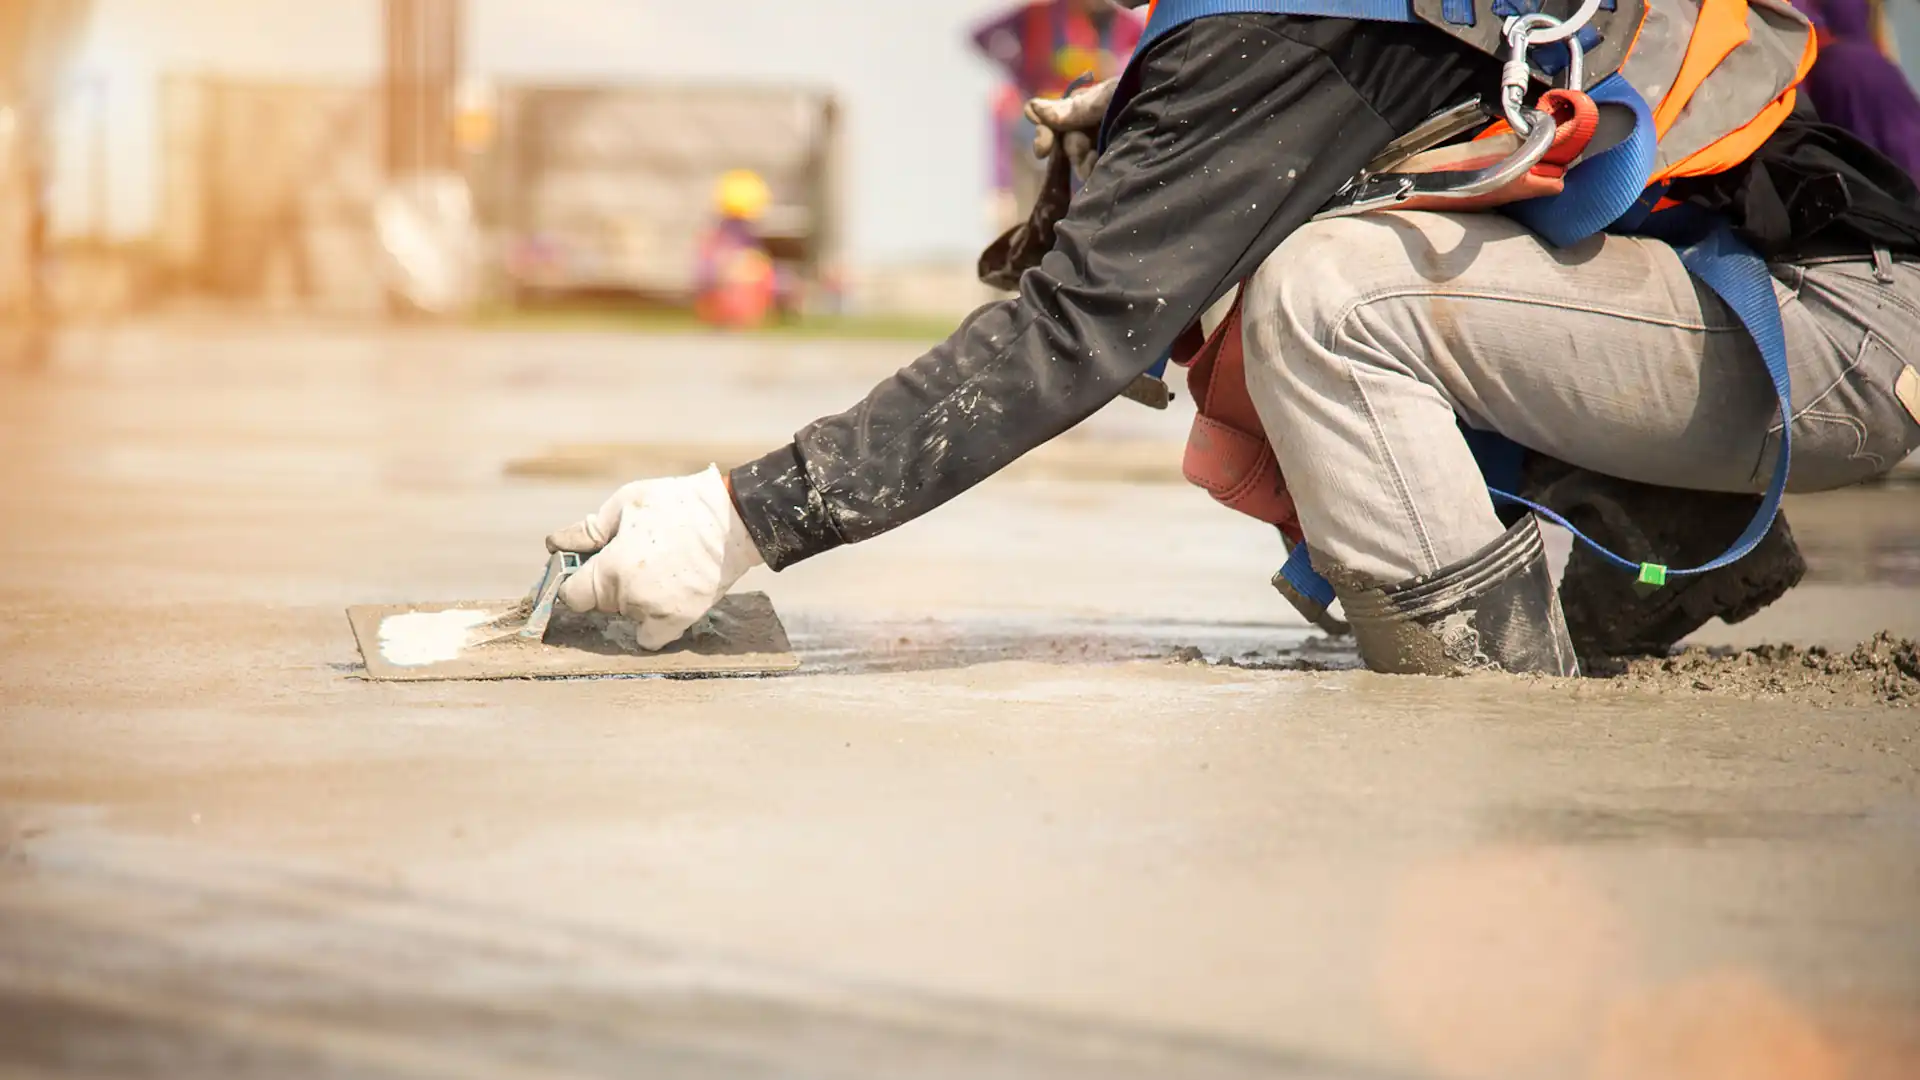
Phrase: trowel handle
(561, 565)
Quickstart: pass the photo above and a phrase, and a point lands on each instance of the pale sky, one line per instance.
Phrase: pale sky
(914, 94)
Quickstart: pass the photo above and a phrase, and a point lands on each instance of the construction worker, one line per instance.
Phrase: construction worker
(736, 284)
(1381, 347)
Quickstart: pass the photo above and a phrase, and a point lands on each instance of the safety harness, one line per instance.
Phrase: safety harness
(1655, 90)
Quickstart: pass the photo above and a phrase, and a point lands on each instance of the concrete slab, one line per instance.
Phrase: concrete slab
(997, 825)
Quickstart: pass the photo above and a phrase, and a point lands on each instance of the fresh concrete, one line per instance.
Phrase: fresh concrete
(990, 830)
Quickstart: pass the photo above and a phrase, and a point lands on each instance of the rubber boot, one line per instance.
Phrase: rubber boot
(1607, 613)
(1495, 610)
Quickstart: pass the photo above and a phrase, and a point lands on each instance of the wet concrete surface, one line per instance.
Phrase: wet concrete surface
(1001, 824)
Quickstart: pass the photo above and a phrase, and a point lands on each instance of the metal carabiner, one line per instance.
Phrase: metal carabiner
(1440, 127)
(1388, 190)
(1523, 33)
(1374, 188)
(1568, 27)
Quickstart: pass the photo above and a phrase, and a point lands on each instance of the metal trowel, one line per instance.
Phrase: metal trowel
(538, 605)
(536, 637)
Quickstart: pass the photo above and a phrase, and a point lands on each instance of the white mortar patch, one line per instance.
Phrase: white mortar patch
(427, 637)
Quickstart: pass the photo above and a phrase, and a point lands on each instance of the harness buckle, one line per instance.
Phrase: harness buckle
(1385, 191)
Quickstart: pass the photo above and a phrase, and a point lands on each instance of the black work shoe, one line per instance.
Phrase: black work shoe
(1492, 611)
(1608, 612)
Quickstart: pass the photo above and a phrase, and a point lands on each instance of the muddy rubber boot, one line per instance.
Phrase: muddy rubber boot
(1607, 612)
(1495, 610)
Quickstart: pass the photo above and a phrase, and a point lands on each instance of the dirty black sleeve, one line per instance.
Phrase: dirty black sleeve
(1242, 127)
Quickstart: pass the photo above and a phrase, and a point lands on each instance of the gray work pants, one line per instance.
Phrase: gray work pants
(1367, 336)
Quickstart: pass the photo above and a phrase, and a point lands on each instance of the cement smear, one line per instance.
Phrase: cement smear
(1885, 670)
(428, 637)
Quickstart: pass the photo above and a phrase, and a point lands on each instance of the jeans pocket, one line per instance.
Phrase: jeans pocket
(1855, 429)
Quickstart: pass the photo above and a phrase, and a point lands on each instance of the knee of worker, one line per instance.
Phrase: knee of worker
(1302, 310)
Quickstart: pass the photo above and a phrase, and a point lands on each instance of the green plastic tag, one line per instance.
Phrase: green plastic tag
(1653, 574)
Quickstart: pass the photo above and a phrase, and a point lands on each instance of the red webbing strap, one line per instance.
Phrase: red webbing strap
(1227, 451)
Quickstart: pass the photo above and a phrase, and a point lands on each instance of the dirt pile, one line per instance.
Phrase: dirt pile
(1882, 671)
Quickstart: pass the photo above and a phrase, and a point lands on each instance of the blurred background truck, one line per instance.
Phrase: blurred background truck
(270, 189)
(407, 184)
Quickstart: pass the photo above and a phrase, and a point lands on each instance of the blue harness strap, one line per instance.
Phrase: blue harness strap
(1298, 572)
(1740, 278)
(1602, 189)
(1608, 192)
(1172, 14)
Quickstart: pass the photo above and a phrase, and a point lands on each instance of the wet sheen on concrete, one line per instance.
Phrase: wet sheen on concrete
(991, 829)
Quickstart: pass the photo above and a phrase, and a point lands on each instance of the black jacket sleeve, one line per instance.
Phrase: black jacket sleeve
(1241, 128)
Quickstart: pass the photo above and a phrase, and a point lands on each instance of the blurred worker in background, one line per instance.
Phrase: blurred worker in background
(1042, 47)
(737, 285)
(1857, 86)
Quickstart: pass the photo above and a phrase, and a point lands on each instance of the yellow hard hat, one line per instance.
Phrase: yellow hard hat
(742, 194)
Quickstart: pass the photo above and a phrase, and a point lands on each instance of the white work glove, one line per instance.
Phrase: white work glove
(1074, 122)
(664, 552)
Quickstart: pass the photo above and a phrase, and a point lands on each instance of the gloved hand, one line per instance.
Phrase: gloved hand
(1072, 123)
(1021, 248)
(664, 552)
(1065, 130)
